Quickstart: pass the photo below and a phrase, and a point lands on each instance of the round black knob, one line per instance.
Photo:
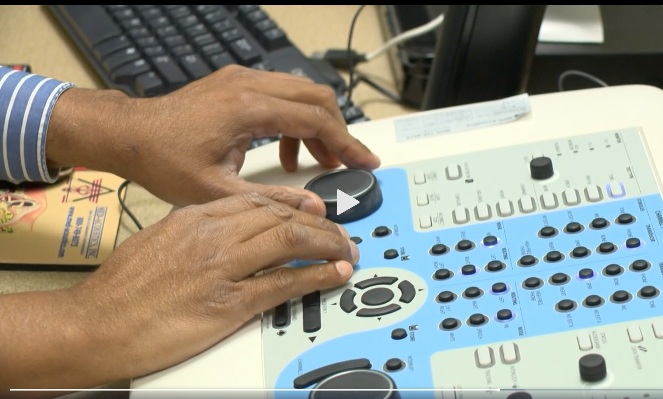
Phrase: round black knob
(360, 185)
(541, 168)
(592, 367)
(364, 384)
(519, 395)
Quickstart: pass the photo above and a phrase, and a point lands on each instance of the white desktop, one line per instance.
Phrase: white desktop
(606, 147)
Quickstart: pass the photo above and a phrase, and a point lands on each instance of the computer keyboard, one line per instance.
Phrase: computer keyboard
(150, 50)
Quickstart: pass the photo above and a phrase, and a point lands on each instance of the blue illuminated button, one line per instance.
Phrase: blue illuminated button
(499, 288)
(633, 242)
(468, 270)
(489, 241)
(504, 315)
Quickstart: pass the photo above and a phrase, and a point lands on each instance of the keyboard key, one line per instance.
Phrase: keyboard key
(148, 85)
(171, 73)
(112, 45)
(92, 23)
(113, 61)
(245, 52)
(195, 66)
(127, 73)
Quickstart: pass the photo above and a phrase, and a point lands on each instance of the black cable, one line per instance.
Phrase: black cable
(350, 58)
(379, 88)
(120, 190)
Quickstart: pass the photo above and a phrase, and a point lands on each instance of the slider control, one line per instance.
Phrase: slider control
(317, 375)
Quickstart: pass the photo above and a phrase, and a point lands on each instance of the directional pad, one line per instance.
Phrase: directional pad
(377, 296)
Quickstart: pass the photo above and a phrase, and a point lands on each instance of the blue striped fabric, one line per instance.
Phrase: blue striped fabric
(26, 103)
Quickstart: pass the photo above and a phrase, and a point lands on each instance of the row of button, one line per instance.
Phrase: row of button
(526, 204)
(598, 223)
(594, 301)
(532, 283)
(633, 332)
(452, 172)
(485, 356)
(565, 306)
(476, 320)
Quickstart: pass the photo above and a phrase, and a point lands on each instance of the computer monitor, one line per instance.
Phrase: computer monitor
(483, 52)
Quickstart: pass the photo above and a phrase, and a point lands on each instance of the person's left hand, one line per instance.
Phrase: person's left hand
(188, 146)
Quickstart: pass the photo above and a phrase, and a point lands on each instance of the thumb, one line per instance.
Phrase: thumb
(298, 198)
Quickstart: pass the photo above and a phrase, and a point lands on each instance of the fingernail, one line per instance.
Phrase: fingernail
(355, 252)
(343, 268)
(309, 205)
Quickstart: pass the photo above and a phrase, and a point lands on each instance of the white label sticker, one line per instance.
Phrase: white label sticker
(460, 118)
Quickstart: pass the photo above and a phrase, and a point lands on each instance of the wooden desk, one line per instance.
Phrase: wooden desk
(30, 35)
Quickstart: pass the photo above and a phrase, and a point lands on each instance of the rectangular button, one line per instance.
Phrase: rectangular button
(419, 178)
(509, 352)
(657, 326)
(484, 357)
(585, 342)
(634, 334)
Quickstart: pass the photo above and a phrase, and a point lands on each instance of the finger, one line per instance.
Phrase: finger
(289, 152)
(288, 241)
(237, 203)
(321, 153)
(307, 112)
(271, 289)
(255, 222)
(308, 121)
(296, 197)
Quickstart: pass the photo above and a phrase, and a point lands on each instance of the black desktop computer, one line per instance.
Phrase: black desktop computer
(631, 52)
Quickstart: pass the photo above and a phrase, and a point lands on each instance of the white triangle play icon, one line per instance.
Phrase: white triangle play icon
(344, 202)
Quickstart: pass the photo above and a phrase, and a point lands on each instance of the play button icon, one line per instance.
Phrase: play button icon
(348, 194)
(344, 202)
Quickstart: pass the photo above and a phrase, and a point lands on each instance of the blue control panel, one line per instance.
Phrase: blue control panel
(502, 274)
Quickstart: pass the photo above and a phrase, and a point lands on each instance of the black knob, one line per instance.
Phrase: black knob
(358, 184)
(541, 168)
(592, 367)
(519, 395)
(364, 384)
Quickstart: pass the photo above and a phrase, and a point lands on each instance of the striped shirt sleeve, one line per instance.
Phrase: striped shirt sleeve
(26, 104)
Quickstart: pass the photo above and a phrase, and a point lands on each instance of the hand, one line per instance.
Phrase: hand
(181, 285)
(188, 146)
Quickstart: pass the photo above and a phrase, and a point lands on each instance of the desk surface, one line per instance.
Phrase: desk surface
(31, 36)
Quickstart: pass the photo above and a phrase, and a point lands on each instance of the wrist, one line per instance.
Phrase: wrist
(88, 128)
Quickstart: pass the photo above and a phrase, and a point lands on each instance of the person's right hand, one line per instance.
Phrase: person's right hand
(188, 147)
(183, 284)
